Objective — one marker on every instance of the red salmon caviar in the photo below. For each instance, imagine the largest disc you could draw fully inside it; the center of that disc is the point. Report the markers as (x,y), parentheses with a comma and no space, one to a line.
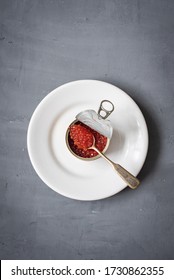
(80,138)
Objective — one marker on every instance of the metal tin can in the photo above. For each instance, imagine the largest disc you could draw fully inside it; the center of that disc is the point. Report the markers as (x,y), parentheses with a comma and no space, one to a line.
(97,121)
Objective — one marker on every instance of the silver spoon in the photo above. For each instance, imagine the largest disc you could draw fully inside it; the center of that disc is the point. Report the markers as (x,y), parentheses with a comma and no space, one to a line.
(130,180)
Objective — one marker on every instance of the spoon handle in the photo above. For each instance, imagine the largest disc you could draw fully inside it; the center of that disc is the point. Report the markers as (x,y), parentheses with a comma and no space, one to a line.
(131,180)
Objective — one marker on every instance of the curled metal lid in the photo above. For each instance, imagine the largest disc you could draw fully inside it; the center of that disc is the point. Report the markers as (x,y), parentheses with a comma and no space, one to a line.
(97,121)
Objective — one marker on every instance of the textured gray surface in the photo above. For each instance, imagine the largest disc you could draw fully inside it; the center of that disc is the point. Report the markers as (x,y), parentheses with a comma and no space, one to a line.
(44,44)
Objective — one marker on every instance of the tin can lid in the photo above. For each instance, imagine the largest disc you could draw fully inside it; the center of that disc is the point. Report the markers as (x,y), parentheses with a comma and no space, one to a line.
(97,121)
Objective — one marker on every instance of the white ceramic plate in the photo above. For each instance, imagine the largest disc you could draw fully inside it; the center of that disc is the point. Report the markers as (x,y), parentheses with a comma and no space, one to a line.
(68,175)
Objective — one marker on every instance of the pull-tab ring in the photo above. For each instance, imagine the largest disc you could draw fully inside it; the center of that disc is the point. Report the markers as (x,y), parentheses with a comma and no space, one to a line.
(105,109)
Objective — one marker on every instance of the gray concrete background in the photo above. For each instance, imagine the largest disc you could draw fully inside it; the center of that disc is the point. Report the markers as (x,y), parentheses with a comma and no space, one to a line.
(44,44)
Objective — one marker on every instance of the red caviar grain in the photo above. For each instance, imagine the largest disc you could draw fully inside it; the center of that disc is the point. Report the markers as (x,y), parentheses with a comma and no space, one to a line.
(81,138)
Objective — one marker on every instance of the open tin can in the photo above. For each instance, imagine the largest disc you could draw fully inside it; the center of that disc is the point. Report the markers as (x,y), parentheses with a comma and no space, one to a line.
(97,122)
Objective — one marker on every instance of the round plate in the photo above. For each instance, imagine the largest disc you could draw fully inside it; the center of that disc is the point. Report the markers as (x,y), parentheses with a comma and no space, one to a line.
(63,172)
